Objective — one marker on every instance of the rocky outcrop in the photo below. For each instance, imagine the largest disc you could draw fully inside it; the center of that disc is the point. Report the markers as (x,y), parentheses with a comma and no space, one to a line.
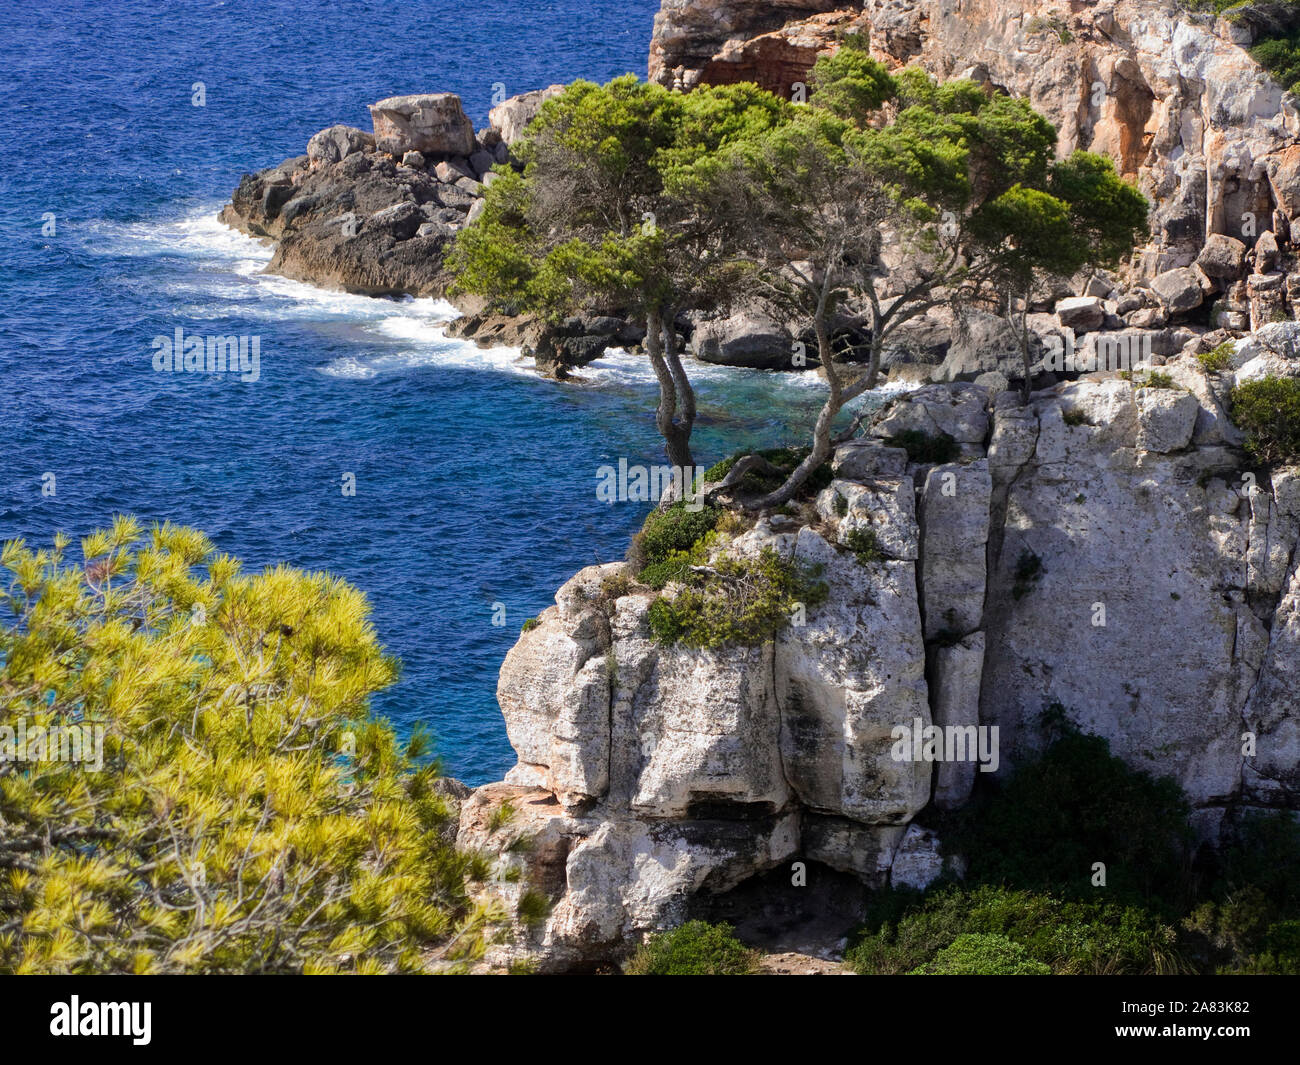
(432,124)
(375,213)
(1101,549)
(1172,96)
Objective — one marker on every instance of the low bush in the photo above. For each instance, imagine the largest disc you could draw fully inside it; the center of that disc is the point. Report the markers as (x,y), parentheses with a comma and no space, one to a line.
(1267,410)
(1075,805)
(665,532)
(740,602)
(982,954)
(909,933)
(1217,359)
(697,948)
(865,545)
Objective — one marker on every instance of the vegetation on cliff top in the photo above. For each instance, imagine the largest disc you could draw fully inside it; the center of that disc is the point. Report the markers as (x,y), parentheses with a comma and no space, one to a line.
(1267,410)
(1277,33)
(696,948)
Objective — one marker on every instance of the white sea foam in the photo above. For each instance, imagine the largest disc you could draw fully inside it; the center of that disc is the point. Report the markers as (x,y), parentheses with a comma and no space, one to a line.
(393,336)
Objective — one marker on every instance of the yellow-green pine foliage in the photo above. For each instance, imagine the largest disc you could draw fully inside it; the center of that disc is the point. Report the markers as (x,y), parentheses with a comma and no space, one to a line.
(249,815)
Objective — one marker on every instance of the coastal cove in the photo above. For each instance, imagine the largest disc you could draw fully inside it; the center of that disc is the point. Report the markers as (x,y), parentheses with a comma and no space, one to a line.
(475,480)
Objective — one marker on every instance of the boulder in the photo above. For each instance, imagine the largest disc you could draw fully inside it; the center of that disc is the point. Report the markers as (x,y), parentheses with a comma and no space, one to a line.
(984,343)
(746,338)
(1267,295)
(958,410)
(450,171)
(336,143)
(1179,290)
(1266,253)
(1081,313)
(918,862)
(511,118)
(433,124)
(1223,258)
(1271,350)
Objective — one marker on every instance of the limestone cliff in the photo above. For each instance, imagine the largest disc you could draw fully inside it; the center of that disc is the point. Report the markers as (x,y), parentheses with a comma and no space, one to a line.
(1102,549)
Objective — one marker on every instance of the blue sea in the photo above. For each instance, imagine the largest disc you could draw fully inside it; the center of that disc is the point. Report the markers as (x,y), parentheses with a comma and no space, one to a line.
(475,480)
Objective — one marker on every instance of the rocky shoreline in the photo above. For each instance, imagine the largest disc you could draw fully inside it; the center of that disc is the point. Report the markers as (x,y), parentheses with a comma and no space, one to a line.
(1174,99)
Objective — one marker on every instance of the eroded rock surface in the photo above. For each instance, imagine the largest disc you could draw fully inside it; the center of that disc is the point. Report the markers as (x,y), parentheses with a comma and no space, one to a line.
(1086,550)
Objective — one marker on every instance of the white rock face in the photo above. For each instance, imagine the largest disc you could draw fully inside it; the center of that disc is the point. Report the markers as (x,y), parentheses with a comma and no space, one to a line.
(956,673)
(845,679)
(1166,418)
(1102,551)
(955,517)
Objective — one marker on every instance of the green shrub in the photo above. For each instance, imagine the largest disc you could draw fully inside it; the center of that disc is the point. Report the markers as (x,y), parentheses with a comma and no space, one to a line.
(933,448)
(1275,49)
(612,589)
(250,815)
(865,545)
(677,566)
(1280,56)
(533,907)
(1159,379)
(744,602)
(906,932)
(1075,805)
(1075,416)
(1268,412)
(529,624)
(1217,359)
(665,532)
(697,948)
(1262,850)
(976,954)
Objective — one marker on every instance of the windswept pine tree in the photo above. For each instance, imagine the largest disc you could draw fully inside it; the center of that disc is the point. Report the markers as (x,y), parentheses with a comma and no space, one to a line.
(603,216)
(961,182)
